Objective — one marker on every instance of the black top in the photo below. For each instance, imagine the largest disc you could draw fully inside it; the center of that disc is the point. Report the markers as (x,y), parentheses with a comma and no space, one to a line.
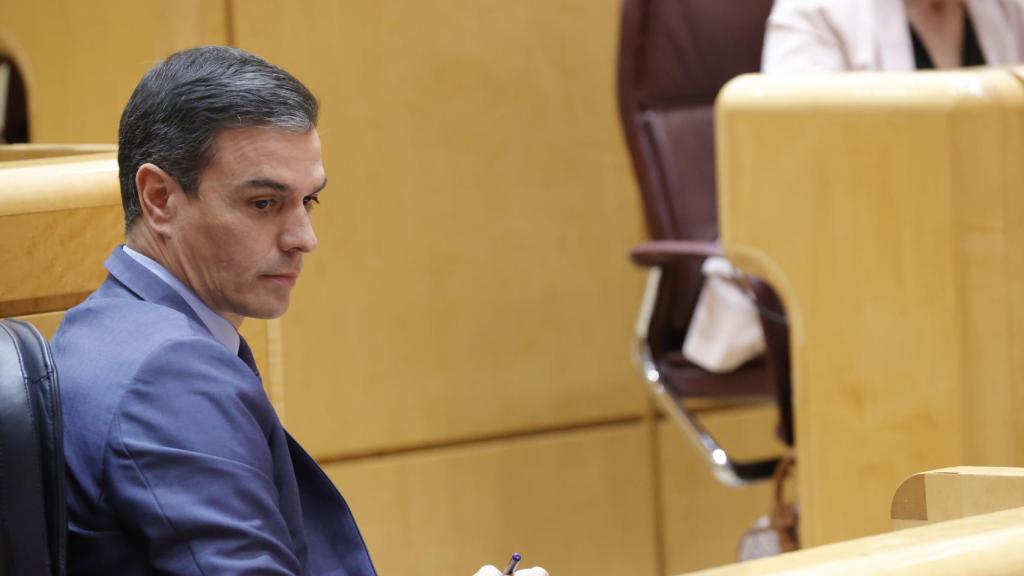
(970,53)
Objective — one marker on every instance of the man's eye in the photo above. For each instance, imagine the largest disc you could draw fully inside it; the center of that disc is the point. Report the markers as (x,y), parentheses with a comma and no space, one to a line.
(310,200)
(262,204)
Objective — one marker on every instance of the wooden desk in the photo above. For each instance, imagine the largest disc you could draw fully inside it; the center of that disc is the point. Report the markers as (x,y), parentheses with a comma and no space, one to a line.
(958,492)
(989,544)
(888,212)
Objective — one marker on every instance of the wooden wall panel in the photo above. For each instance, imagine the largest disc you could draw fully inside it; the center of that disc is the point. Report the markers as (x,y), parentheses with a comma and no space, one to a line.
(575,502)
(81,60)
(471,278)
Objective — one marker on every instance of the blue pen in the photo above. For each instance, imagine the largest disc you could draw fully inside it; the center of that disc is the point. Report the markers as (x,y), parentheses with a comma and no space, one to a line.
(512,564)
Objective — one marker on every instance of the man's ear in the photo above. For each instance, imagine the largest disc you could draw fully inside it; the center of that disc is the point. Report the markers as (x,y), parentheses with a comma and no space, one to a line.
(159,197)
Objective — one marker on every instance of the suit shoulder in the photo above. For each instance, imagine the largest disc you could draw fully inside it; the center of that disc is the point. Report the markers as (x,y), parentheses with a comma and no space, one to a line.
(111,325)
(103,344)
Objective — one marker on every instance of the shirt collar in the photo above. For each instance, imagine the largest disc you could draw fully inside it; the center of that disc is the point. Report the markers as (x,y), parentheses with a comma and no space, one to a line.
(221,329)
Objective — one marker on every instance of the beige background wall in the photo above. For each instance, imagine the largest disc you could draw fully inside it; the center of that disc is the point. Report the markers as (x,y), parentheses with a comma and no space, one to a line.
(81,60)
(456,354)
(478,190)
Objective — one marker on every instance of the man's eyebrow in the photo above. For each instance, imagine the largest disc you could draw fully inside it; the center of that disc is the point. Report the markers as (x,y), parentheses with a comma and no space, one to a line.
(266,183)
(276,186)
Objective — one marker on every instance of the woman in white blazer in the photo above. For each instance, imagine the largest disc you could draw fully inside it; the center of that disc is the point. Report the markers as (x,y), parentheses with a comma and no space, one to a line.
(810,36)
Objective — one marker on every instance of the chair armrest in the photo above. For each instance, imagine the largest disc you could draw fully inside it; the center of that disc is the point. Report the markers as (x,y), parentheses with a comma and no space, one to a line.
(660,252)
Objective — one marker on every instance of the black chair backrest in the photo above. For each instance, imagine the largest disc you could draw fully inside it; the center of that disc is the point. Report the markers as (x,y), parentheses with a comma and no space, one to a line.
(33,517)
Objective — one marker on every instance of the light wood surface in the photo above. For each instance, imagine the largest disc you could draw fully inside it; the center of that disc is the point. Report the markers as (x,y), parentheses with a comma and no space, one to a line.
(885,210)
(18,152)
(31,186)
(578,502)
(958,492)
(59,219)
(990,544)
(471,279)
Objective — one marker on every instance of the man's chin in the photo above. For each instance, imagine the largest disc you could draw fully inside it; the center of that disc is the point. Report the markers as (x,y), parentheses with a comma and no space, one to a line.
(266,312)
(270,315)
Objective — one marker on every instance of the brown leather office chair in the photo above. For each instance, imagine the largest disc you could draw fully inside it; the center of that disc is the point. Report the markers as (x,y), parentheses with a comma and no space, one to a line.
(33,518)
(675,55)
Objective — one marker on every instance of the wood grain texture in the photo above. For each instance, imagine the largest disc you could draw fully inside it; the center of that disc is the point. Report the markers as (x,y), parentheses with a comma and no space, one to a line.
(884,209)
(958,492)
(57,253)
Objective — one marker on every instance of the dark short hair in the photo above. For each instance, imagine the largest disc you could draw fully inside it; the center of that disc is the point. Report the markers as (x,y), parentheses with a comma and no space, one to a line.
(182,103)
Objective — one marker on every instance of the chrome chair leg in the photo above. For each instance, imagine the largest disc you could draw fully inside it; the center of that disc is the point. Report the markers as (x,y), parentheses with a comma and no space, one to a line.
(726,469)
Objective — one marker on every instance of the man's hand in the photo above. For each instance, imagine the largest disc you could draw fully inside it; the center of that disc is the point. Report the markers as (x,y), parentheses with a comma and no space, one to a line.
(492,571)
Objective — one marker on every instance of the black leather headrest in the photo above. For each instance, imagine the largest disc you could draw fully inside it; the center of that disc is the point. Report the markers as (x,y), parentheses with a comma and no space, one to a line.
(33,517)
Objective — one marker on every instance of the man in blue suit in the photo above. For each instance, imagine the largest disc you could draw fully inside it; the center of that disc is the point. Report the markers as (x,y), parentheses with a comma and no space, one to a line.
(177,464)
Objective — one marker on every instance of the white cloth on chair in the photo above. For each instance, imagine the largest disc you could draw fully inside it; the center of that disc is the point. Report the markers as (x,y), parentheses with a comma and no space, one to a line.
(725,330)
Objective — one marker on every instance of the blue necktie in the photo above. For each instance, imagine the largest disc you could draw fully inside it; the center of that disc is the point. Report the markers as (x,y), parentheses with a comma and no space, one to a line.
(245,353)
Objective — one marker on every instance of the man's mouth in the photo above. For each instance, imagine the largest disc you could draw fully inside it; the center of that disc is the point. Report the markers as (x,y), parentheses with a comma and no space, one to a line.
(284,278)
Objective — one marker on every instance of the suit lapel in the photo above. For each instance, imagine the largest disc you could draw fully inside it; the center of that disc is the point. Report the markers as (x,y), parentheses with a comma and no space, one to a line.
(331,530)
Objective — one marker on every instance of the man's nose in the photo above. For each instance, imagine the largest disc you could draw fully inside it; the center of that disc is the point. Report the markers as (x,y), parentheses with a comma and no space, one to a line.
(298,234)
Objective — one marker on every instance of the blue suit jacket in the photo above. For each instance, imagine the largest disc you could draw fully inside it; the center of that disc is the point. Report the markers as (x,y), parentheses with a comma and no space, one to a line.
(177,463)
